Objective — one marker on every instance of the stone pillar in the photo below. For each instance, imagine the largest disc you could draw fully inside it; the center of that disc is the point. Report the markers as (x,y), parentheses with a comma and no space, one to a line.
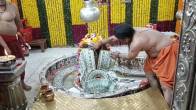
(12,96)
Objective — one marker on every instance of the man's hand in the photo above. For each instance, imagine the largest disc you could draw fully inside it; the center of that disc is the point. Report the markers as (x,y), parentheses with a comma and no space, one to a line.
(111,39)
(97,45)
(19,34)
(4,45)
(115,55)
(8,50)
(144,83)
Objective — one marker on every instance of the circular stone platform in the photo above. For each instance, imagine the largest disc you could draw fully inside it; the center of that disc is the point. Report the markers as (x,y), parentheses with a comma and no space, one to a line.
(61,73)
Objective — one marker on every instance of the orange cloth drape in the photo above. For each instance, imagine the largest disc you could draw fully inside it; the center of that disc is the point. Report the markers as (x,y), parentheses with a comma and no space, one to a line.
(164,65)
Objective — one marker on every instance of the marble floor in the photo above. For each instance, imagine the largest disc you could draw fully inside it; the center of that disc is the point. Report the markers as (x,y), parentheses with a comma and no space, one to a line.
(37,60)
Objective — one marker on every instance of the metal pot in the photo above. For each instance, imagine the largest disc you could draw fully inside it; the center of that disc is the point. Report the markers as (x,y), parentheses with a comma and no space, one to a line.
(43,89)
(90,12)
(49,95)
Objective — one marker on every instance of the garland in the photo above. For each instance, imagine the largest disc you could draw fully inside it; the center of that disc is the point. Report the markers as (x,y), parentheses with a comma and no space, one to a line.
(166,10)
(56,22)
(101,26)
(60,22)
(68,22)
(75,11)
(109,18)
(154,11)
(117,11)
(30,12)
(43,20)
(129,13)
(141,12)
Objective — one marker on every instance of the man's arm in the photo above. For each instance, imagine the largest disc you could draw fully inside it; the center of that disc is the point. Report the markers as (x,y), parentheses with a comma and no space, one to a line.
(106,41)
(131,55)
(2,42)
(17,19)
(133,52)
(4,45)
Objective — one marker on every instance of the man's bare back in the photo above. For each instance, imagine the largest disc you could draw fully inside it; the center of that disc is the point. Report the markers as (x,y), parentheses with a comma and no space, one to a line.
(8,19)
(150,41)
(154,43)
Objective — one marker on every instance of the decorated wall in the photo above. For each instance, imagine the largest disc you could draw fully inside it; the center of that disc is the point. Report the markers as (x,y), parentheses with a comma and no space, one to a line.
(59,20)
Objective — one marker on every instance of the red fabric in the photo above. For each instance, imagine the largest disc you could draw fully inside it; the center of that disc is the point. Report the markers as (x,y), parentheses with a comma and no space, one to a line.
(36,33)
(14,45)
(27,34)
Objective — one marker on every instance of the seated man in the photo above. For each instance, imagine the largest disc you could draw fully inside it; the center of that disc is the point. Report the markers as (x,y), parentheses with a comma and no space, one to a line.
(162,51)
(9,28)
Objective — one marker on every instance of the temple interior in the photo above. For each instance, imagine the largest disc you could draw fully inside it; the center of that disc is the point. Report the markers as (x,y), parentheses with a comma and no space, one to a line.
(81,54)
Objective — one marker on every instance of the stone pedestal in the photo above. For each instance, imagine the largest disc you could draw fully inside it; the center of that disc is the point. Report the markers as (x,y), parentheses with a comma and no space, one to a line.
(12,96)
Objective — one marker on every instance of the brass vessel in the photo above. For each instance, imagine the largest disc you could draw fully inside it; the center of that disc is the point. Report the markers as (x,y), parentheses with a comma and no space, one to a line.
(49,95)
(43,89)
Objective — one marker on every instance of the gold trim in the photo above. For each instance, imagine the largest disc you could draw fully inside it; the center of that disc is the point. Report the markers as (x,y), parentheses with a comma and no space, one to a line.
(148,99)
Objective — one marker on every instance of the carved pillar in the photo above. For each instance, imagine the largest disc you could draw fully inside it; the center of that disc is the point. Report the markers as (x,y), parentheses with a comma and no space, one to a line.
(12,96)
(184,93)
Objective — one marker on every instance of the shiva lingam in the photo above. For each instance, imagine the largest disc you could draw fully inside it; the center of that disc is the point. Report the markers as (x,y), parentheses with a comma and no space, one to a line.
(97,70)
(99,78)
(94,74)
(88,42)
(96,77)
(12,96)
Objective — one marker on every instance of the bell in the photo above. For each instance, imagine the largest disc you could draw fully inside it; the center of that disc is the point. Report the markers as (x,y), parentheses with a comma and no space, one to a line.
(90,12)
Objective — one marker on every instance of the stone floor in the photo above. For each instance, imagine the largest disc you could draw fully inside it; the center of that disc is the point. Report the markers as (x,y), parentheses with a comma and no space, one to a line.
(35,63)
(37,60)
